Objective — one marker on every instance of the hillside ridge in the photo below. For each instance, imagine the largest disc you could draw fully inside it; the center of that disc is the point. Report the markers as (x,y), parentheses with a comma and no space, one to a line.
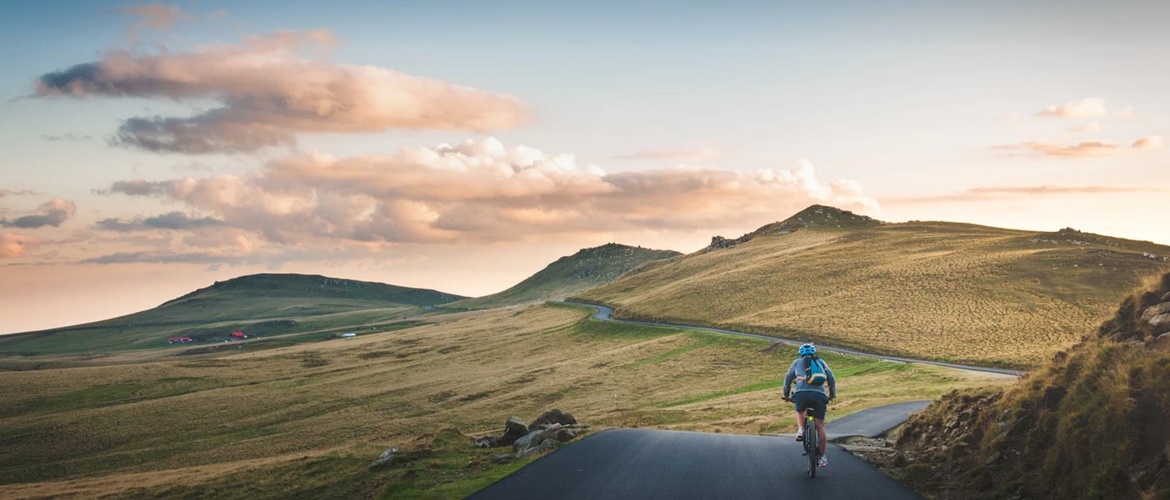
(292,284)
(950,292)
(585,269)
(813,217)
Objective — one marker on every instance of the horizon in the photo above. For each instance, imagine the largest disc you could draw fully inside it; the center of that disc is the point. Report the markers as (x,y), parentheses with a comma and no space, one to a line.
(151,149)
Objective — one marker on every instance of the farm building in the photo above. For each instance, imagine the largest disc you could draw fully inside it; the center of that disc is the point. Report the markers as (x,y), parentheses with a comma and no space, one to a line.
(239,335)
(179,340)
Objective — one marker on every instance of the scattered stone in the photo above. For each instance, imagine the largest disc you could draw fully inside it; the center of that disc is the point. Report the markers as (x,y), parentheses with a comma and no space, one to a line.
(486,442)
(514,429)
(384,460)
(543,447)
(554,416)
(1157,311)
(503,458)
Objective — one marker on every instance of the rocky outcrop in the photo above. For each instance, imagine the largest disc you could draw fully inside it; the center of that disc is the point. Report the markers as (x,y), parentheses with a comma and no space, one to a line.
(1055,434)
(551,427)
(384,460)
(514,429)
(554,416)
(719,242)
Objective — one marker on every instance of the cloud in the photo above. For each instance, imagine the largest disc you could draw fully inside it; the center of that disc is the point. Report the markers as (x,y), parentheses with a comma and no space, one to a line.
(269,91)
(162,257)
(676,154)
(157,16)
(52,213)
(1092,107)
(16,245)
(1083,149)
(481,192)
(136,187)
(70,137)
(999,193)
(1087,129)
(172,220)
(13,192)
(1148,142)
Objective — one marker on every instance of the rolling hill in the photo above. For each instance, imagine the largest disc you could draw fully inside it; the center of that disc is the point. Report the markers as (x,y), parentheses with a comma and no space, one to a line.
(1092,423)
(588,268)
(938,290)
(261,304)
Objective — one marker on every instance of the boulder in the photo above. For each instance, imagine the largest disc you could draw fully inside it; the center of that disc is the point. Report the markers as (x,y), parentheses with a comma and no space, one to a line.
(514,429)
(384,460)
(554,416)
(535,437)
(544,446)
(565,435)
(1157,311)
(486,442)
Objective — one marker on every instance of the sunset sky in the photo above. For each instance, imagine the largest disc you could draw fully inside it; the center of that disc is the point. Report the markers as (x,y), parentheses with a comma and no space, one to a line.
(147,150)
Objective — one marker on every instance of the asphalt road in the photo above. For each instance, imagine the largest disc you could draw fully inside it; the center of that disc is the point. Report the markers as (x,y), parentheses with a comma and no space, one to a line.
(605,314)
(622,464)
(872,422)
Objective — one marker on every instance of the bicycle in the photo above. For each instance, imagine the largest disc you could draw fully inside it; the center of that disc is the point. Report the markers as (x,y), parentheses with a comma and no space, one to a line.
(811,442)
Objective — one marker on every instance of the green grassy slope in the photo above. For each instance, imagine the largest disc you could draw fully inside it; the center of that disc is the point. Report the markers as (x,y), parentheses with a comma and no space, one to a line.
(588,268)
(304,420)
(262,304)
(1092,423)
(938,290)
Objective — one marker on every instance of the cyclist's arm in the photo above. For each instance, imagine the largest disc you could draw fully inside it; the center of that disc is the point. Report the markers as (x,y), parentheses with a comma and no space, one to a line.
(832,382)
(788,378)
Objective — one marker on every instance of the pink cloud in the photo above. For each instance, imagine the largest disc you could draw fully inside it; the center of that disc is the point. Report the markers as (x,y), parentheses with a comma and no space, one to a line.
(270,91)
(157,16)
(1082,108)
(16,245)
(1087,129)
(51,213)
(483,192)
(1083,149)
(1148,142)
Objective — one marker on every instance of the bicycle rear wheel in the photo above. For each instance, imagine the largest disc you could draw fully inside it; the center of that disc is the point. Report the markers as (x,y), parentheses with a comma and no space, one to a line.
(811,446)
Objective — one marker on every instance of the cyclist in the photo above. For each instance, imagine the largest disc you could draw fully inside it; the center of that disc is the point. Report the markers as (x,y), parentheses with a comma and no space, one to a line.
(808,397)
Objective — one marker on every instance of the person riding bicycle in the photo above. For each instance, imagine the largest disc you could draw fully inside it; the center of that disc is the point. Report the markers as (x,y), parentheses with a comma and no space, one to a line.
(810,397)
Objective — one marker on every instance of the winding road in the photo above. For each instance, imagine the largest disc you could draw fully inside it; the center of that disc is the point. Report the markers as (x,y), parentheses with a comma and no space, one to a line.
(606,314)
(623,464)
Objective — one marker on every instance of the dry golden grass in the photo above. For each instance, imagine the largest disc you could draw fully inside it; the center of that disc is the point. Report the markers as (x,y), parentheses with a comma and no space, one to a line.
(942,291)
(181,422)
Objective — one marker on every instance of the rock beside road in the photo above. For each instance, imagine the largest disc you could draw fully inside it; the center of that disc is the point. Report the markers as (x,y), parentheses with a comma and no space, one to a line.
(551,427)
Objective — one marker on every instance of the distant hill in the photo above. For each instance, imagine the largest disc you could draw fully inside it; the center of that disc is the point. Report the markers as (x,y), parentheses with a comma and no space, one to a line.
(939,290)
(588,268)
(261,304)
(1091,423)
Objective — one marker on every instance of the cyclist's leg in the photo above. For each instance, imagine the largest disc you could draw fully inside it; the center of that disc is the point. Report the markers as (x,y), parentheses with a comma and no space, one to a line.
(821,435)
(799,400)
(818,403)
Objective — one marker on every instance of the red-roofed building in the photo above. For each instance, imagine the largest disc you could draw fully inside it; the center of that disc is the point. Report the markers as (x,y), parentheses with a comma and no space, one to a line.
(238,335)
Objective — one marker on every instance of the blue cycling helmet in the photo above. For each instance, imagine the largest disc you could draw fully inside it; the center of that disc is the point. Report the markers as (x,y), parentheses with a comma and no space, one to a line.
(807,350)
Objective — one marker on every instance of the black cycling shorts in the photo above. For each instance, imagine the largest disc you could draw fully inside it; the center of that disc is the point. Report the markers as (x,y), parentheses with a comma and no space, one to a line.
(814,401)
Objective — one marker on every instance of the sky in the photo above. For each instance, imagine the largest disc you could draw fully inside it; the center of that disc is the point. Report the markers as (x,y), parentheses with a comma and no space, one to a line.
(149,149)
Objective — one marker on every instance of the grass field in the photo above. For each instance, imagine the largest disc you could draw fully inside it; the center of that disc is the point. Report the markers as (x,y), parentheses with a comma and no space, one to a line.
(302,420)
(945,291)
